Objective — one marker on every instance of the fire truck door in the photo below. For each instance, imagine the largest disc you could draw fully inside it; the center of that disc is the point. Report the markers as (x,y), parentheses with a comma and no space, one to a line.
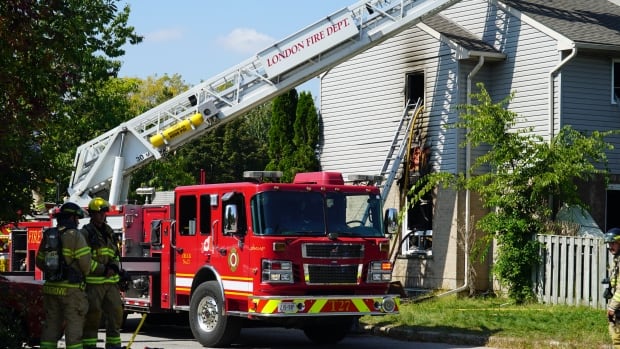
(231,256)
(191,232)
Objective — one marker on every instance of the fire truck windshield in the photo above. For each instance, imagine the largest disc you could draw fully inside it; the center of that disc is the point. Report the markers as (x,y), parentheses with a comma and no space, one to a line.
(315,213)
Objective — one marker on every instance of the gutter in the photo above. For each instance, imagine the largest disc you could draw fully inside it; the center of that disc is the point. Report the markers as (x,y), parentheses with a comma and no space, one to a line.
(552,75)
(466,281)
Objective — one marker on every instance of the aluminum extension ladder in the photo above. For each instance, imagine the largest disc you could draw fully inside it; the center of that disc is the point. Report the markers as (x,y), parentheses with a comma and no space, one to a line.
(398,148)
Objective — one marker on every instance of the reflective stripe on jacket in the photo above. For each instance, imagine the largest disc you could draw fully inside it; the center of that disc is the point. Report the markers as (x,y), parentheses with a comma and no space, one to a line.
(104,250)
(76,253)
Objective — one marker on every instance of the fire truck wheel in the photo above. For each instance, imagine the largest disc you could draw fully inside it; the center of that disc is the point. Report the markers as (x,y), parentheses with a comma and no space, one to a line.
(330,332)
(210,327)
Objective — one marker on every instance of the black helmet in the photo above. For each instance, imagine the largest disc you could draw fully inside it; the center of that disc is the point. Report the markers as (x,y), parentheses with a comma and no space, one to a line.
(612,235)
(70,209)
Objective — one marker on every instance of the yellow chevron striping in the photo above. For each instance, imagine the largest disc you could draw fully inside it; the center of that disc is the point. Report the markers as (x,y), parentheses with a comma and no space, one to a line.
(360,305)
(317,306)
(270,307)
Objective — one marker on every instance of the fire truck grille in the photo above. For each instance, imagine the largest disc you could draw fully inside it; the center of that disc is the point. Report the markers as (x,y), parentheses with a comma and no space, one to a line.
(333,251)
(331,274)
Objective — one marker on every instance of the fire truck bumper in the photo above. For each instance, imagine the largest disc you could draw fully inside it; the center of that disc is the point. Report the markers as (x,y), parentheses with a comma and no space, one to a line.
(320,306)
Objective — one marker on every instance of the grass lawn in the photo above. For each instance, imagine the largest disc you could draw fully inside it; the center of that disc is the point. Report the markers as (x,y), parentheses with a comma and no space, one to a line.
(516,326)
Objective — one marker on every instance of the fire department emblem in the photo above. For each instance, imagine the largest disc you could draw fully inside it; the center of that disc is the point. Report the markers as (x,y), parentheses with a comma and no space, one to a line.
(233,259)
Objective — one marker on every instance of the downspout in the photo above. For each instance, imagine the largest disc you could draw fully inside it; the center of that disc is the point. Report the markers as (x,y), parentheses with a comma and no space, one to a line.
(552,74)
(465,286)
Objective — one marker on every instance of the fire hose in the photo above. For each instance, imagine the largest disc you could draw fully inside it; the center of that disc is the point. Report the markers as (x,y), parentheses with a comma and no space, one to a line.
(135,333)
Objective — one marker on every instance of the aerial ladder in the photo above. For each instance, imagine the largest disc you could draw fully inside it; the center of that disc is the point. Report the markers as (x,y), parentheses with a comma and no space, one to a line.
(103,165)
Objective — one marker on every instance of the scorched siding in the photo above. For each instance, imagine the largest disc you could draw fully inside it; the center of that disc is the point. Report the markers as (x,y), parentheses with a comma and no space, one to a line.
(362,101)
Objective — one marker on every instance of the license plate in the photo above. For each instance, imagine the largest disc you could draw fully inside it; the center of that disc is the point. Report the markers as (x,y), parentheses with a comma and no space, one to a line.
(287,307)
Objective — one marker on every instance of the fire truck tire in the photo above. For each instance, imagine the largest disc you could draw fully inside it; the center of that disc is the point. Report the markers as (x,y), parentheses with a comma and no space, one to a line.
(330,332)
(206,319)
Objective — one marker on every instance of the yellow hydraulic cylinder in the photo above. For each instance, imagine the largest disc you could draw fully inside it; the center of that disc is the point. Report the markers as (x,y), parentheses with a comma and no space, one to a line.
(175,130)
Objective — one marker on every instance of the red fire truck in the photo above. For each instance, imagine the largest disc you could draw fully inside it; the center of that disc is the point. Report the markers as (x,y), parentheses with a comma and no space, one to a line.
(20,242)
(310,254)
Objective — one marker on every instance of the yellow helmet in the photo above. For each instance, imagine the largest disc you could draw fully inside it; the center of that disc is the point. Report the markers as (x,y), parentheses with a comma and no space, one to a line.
(98,205)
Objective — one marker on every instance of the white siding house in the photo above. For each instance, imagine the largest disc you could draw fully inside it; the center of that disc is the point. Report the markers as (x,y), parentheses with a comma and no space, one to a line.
(557,56)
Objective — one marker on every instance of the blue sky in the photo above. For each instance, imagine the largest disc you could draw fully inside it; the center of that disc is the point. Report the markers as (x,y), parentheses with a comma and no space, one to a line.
(200,38)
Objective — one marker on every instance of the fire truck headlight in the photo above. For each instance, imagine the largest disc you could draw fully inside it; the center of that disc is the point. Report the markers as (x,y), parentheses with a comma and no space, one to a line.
(274,271)
(380,271)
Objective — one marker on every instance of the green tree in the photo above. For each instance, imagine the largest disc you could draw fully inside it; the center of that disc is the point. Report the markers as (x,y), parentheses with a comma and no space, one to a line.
(52,53)
(521,174)
(226,151)
(293,135)
(306,135)
(101,107)
(258,124)
(154,91)
(280,134)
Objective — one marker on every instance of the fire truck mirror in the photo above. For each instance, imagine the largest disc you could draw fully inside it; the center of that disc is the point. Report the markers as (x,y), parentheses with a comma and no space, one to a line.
(391,221)
(230,219)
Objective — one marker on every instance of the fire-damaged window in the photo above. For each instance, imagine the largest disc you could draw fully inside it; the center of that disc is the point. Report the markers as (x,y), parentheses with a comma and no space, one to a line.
(187,215)
(418,237)
(414,87)
(418,221)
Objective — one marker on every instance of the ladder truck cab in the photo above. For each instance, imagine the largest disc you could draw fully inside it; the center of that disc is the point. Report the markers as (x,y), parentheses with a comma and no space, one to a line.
(311,254)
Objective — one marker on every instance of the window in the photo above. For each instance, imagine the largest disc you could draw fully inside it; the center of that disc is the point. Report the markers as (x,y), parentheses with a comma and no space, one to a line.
(418,236)
(187,215)
(414,87)
(205,214)
(615,81)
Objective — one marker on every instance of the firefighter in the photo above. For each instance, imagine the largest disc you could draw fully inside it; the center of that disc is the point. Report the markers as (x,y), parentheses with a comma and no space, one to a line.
(612,239)
(104,297)
(65,301)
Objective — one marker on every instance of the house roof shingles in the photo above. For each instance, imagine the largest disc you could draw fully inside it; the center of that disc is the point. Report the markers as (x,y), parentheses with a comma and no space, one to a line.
(593,22)
(458,35)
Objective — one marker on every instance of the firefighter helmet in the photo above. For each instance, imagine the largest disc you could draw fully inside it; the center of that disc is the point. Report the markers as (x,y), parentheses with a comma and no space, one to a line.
(70,209)
(612,235)
(98,205)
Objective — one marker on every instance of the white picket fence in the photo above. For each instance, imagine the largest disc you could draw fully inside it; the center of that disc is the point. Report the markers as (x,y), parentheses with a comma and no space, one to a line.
(572,270)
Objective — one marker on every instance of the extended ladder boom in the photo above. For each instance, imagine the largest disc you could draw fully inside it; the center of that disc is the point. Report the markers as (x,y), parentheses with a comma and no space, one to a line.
(104,164)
